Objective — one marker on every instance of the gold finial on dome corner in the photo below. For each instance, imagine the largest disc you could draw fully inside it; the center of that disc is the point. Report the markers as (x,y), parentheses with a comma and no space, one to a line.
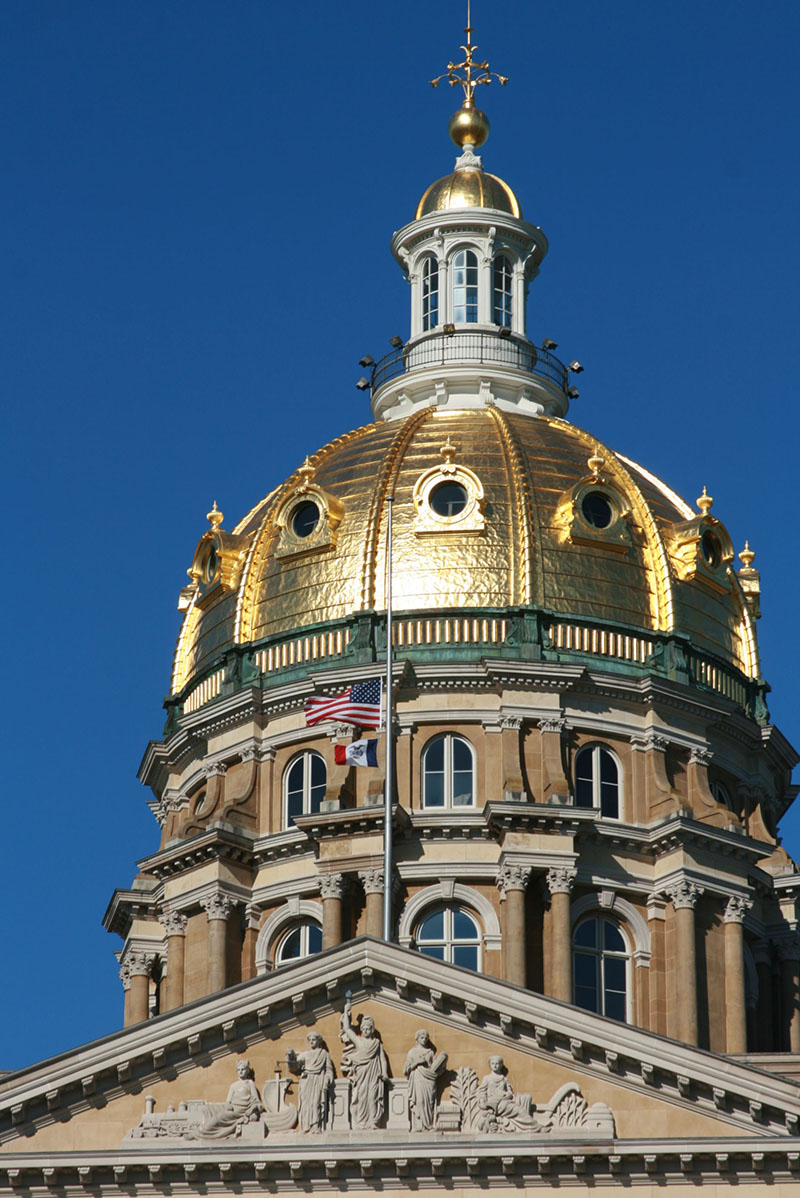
(469,126)
(705,502)
(596,462)
(215,517)
(747,556)
(306,473)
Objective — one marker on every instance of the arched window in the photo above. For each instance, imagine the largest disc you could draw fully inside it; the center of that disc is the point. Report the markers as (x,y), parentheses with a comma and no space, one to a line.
(430,294)
(597,781)
(600,968)
(302,940)
(501,291)
(465,287)
(304,786)
(448,772)
(450,934)
(720,794)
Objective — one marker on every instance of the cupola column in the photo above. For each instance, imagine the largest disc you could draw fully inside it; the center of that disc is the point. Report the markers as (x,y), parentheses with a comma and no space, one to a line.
(789,952)
(217,908)
(560,880)
(372,880)
(765,1019)
(684,895)
(735,1000)
(138,965)
(175,927)
(331,887)
(512,882)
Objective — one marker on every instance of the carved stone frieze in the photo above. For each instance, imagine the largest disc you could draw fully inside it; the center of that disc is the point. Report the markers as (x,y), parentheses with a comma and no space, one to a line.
(314,1066)
(422,1067)
(365,1066)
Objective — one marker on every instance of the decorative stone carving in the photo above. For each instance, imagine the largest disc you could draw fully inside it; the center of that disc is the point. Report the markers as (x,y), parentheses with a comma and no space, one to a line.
(560,879)
(214,769)
(512,877)
(331,886)
(139,964)
(371,880)
(736,909)
(645,741)
(218,906)
(554,725)
(500,1108)
(568,1109)
(364,1064)
(174,922)
(684,893)
(492,1107)
(239,1116)
(510,723)
(316,1072)
(422,1068)
(125,977)
(699,756)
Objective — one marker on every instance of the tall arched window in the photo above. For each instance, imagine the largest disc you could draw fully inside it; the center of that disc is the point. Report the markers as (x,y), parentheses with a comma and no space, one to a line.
(597,782)
(304,786)
(501,291)
(430,294)
(465,287)
(450,934)
(302,940)
(448,773)
(600,968)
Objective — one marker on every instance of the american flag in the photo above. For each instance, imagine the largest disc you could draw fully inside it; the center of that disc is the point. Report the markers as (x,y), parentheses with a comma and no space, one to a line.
(360,704)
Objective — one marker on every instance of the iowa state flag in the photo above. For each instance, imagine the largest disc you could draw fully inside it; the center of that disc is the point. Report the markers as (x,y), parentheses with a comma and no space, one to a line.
(360,752)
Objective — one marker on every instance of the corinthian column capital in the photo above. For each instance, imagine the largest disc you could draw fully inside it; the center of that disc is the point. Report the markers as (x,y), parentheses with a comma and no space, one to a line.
(561,878)
(331,886)
(371,880)
(736,909)
(512,877)
(174,922)
(684,893)
(139,964)
(218,906)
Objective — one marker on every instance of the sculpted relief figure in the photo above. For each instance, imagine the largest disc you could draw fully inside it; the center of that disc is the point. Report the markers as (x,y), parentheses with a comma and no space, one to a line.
(364,1063)
(422,1069)
(219,1120)
(500,1108)
(315,1068)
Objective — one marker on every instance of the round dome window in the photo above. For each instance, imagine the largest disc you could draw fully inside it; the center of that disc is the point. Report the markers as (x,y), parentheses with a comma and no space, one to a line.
(597,510)
(305,519)
(211,566)
(449,498)
(710,548)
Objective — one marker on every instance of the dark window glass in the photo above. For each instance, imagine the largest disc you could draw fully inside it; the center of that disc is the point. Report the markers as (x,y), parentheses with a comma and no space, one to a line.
(433,927)
(501,291)
(448,773)
(600,975)
(305,519)
(596,509)
(710,549)
(450,934)
(448,499)
(305,783)
(430,294)
(597,781)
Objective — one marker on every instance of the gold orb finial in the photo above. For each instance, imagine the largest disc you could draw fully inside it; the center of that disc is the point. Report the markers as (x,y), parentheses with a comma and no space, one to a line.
(596,462)
(469,126)
(306,473)
(705,502)
(215,517)
(747,556)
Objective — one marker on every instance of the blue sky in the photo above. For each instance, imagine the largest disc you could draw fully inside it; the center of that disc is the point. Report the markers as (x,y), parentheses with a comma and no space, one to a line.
(197,203)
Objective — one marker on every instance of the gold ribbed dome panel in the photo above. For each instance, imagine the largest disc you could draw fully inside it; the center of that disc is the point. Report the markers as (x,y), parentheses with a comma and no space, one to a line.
(526,466)
(468,189)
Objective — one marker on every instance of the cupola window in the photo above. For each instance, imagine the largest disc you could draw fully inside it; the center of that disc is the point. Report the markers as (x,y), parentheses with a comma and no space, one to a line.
(430,294)
(465,287)
(596,510)
(303,940)
(449,498)
(597,781)
(450,934)
(305,518)
(501,291)
(304,786)
(448,772)
(600,968)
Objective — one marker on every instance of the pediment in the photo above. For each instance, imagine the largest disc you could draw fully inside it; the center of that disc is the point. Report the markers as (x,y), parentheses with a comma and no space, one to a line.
(570,1078)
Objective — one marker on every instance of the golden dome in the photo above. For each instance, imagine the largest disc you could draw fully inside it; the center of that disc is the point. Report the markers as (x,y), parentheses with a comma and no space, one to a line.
(312,553)
(468,188)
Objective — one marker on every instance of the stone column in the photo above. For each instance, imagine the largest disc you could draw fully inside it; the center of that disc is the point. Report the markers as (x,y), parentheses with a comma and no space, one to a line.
(765,1009)
(175,926)
(139,965)
(125,978)
(372,881)
(251,927)
(331,887)
(656,918)
(789,952)
(512,882)
(560,880)
(735,1000)
(684,895)
(217,908)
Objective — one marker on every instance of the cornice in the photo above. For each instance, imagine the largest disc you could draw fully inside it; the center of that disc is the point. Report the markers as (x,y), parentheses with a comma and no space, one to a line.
(213,845)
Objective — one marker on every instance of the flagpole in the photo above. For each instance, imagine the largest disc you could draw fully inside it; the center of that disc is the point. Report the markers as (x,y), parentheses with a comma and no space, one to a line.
(387,789)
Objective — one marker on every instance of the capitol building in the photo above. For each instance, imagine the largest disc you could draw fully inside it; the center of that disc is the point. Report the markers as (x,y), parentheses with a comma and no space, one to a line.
(592,972)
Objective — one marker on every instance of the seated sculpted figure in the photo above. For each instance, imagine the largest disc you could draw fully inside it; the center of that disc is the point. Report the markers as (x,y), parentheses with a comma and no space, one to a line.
(315,1068)
(501,1109)
(219,1120)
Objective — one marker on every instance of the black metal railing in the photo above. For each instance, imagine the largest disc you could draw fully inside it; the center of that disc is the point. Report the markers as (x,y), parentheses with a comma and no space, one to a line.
(449,348)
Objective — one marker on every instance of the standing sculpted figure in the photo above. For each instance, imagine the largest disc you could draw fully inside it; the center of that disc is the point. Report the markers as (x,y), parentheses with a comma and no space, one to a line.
(501,1109)
(364,1062)
(218,1120)
(315,1068)
(422,1069)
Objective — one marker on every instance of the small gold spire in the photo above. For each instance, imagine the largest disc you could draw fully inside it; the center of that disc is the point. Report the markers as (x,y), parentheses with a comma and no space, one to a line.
(705,502)
(747,556)
(596,462)
(306,473)
(449,451)
(215,517)
(469,126)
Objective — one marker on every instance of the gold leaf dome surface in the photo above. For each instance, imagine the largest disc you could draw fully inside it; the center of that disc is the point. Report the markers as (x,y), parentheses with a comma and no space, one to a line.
(468,189)
(524,554)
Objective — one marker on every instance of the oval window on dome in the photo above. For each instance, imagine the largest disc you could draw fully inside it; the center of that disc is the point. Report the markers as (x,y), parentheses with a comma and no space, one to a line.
(710,548)
(211,566)
(597,509)
(449,498)
(305,519)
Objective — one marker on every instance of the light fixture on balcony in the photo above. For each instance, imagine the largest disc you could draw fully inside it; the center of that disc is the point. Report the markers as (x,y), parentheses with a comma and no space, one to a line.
(396,342)
(367,360)
(575,367)
(505,331)
(548,344)
(363,384)
(573,392)
(448,329)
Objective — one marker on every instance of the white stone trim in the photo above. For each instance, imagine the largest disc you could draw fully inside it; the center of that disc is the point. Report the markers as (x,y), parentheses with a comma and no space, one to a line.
(634,922)
(294,910)
(446,892)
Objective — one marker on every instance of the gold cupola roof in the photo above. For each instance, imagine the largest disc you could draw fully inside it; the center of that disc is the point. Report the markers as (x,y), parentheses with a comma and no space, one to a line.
(472,188)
